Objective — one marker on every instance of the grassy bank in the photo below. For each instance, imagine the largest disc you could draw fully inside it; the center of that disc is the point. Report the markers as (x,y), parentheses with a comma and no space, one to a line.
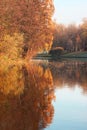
(75,55)
(43,56)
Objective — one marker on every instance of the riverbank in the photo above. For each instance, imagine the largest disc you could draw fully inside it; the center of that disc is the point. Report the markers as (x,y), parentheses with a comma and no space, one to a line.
(73,55)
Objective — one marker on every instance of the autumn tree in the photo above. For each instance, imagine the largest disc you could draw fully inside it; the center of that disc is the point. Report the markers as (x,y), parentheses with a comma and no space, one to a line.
(59,39)
(11,46)
(41,26)
(83,29)
(32,18)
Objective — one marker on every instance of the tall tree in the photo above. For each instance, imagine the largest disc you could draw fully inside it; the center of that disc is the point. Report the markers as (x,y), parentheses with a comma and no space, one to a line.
(33,18)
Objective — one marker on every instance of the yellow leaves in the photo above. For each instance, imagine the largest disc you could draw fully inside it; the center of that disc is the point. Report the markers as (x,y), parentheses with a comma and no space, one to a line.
(11,46)
(41,27)
(31,18)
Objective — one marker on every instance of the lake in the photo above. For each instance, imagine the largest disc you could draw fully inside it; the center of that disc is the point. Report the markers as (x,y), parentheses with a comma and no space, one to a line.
(48,95)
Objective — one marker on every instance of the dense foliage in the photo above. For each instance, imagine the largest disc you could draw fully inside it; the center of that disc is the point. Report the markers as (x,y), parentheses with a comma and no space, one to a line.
(30,19)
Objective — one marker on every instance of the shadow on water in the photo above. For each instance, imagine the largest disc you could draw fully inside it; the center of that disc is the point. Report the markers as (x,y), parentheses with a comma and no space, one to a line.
(27,92)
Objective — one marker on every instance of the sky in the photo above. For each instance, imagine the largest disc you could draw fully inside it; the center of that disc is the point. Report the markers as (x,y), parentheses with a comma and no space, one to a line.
(70,11)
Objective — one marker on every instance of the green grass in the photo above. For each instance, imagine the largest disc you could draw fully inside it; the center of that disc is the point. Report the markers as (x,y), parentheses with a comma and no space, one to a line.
(75,55)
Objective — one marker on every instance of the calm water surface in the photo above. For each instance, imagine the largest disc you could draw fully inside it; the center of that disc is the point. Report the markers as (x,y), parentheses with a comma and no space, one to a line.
(44,95)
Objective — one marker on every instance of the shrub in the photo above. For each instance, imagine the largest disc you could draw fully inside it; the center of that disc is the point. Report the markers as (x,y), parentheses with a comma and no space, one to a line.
(56,51)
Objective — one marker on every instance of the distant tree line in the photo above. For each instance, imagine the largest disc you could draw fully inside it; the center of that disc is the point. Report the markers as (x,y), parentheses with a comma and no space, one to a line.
(72,38)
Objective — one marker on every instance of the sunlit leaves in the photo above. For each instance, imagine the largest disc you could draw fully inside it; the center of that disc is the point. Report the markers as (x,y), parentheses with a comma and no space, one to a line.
(11,46)
(31,18)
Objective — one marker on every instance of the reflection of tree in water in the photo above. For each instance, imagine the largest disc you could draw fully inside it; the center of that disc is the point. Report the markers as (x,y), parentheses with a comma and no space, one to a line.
(32,109)
(69,73)
(12,81)
(26,93)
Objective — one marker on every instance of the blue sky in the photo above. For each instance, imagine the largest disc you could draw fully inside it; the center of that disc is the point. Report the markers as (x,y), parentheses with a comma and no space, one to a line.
(70,11)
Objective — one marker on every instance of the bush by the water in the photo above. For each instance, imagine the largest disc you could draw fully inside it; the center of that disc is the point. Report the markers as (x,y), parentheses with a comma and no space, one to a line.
(56,51)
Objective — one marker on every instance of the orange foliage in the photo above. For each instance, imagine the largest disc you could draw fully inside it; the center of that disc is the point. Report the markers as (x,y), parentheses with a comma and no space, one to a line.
(31,18)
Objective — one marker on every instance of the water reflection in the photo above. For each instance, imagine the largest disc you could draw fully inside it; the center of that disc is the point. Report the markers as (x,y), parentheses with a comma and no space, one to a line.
(26,95)
(27,92)
(69,74)
(12,81)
